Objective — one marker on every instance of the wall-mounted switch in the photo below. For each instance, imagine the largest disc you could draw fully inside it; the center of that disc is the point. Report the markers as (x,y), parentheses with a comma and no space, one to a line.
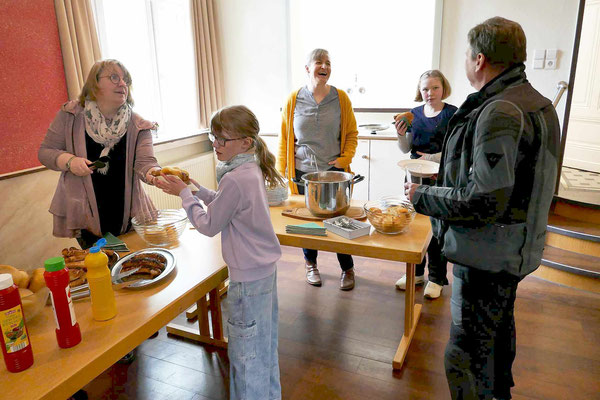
(551,57)
(538,59)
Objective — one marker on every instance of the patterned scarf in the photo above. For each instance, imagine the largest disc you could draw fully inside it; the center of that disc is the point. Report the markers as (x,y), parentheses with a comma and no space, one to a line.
(224,167)
(106,132)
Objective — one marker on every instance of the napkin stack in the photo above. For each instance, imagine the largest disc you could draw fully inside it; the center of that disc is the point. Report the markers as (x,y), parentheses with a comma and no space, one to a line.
(310,228)
(114,243)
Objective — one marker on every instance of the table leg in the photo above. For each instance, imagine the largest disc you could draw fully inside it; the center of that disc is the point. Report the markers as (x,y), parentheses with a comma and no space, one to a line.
(202,333)
(215,314)
(192,312)
(412,312)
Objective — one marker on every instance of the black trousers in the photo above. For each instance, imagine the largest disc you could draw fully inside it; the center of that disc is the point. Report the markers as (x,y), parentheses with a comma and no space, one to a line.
(482,345)
(435,260)
(310,255)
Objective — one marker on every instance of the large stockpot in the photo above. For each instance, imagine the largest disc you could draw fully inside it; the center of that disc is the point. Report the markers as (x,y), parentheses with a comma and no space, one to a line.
(328,193)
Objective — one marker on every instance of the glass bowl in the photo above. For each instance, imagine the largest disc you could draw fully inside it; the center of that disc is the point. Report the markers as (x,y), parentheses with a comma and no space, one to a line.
(390,215)
(163,228)
(277,194)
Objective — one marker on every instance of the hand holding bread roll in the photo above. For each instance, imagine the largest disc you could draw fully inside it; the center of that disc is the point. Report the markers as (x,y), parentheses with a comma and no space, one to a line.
(181,173)
(407,117)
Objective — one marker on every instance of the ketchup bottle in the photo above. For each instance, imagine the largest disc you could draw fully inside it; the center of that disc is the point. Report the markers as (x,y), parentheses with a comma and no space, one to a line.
(14,338)
(104,306)
(56,276)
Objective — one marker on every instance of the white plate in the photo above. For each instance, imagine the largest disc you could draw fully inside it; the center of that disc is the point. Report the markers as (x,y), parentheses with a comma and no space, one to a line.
(171,261)
(420,168)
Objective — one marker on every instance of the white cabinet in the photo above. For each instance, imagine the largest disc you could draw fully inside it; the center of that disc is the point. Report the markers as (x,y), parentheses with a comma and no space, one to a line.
(360,165)
(385,176)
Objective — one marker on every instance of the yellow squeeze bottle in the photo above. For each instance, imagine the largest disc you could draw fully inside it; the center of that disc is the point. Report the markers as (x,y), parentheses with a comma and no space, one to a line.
(104,306)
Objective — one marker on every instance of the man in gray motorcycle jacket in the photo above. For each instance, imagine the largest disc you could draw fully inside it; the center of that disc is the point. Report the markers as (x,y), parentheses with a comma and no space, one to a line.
(490,205)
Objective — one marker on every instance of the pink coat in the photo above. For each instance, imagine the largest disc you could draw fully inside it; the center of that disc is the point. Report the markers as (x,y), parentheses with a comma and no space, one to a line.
(74,203)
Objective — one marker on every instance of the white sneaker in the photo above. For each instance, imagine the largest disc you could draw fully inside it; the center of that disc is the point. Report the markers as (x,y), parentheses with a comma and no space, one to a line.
(401,283)
(432,290)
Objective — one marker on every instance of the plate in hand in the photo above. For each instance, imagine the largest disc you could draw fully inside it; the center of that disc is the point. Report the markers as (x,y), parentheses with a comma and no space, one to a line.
(420,168)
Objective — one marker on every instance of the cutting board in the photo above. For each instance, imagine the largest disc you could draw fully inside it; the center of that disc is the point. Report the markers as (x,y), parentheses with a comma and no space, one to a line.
(303,213)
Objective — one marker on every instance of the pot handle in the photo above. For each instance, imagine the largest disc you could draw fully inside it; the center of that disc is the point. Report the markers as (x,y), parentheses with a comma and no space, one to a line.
(357,178)
(297,181)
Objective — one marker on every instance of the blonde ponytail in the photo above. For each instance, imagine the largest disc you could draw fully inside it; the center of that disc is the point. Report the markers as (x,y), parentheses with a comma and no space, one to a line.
(241,120)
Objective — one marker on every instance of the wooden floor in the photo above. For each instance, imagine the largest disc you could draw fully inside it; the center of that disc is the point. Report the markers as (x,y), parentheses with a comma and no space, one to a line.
(339,345)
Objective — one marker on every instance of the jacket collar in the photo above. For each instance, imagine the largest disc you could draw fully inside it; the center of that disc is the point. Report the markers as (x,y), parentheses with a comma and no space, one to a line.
(511,76)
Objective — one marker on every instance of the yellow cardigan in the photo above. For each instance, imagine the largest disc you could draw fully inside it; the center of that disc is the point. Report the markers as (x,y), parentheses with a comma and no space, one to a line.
(286,159)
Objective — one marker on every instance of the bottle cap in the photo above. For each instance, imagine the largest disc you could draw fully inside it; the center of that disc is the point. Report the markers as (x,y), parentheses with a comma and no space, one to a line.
(100,243)
(94,249)
(54,264)
(6,281)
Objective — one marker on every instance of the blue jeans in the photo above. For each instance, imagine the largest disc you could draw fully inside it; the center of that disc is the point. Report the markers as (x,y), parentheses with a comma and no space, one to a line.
(482,345)
(253,336)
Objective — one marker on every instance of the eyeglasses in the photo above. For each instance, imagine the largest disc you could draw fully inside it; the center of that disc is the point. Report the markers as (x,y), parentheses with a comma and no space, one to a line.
(221,141)
(115,78)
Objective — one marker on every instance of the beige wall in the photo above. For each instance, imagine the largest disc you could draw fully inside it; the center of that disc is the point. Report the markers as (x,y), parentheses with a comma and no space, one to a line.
(26,235)
(547,24)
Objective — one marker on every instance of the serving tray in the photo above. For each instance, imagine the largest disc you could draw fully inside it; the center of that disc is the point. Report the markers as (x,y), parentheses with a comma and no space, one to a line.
(171,261)
(304,213)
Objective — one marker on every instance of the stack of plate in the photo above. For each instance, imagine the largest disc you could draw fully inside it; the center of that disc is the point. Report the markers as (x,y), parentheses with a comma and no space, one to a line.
(278,194)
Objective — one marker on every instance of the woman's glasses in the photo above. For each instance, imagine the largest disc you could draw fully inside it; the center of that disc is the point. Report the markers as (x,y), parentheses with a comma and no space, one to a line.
(115,78)
(221,141)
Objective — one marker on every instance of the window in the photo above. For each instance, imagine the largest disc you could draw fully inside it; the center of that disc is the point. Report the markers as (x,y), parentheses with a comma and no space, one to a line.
(378,48)
(154,40)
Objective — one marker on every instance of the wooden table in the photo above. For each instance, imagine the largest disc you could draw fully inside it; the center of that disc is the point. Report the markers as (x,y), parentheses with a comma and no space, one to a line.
(58,373)
(409,247)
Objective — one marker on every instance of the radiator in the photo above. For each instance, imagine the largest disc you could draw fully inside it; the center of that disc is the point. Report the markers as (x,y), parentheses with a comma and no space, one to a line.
(201,169)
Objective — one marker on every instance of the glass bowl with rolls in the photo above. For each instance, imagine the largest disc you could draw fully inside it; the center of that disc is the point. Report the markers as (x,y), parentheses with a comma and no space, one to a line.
(162,228)
(390,214)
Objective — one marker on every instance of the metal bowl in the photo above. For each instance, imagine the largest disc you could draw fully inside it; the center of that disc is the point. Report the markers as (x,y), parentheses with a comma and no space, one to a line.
(328,194)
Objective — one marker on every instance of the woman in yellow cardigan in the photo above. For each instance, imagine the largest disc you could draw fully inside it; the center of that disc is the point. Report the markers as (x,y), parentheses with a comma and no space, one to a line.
(318,126)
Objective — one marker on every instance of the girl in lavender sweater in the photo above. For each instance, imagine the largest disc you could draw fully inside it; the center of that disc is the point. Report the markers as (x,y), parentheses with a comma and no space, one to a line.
(240,212)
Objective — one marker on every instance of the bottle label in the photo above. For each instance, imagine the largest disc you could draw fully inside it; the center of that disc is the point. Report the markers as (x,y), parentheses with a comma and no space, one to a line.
(71,310)
(54,311)
(12,324)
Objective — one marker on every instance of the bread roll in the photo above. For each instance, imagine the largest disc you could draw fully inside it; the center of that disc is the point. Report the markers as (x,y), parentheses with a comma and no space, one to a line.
(37,280)
(406,117)
(20,278)
(181,173)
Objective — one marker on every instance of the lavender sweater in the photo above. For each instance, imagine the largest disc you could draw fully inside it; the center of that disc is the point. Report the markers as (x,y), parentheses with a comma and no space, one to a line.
(239,210)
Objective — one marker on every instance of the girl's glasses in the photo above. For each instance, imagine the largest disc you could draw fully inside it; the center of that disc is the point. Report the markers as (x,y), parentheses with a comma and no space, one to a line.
(115,78)
(221,141)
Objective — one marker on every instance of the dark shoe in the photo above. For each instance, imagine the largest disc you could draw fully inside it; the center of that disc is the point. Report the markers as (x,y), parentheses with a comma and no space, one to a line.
(347,280)
(313,277)
(127,358)
(80,395)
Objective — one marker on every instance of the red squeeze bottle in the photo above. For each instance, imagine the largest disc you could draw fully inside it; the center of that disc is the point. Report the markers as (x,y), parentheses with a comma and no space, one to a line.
(56,276)
(14,337)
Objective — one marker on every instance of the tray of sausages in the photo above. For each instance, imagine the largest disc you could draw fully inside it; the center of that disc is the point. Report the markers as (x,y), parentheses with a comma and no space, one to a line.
(154,265)
(74,261)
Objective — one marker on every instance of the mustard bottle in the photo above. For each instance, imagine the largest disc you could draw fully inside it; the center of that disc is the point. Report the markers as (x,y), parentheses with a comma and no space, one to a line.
(104,306)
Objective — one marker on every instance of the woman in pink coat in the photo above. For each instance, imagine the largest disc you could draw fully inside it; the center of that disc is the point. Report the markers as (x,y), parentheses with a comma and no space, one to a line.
(93,200)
